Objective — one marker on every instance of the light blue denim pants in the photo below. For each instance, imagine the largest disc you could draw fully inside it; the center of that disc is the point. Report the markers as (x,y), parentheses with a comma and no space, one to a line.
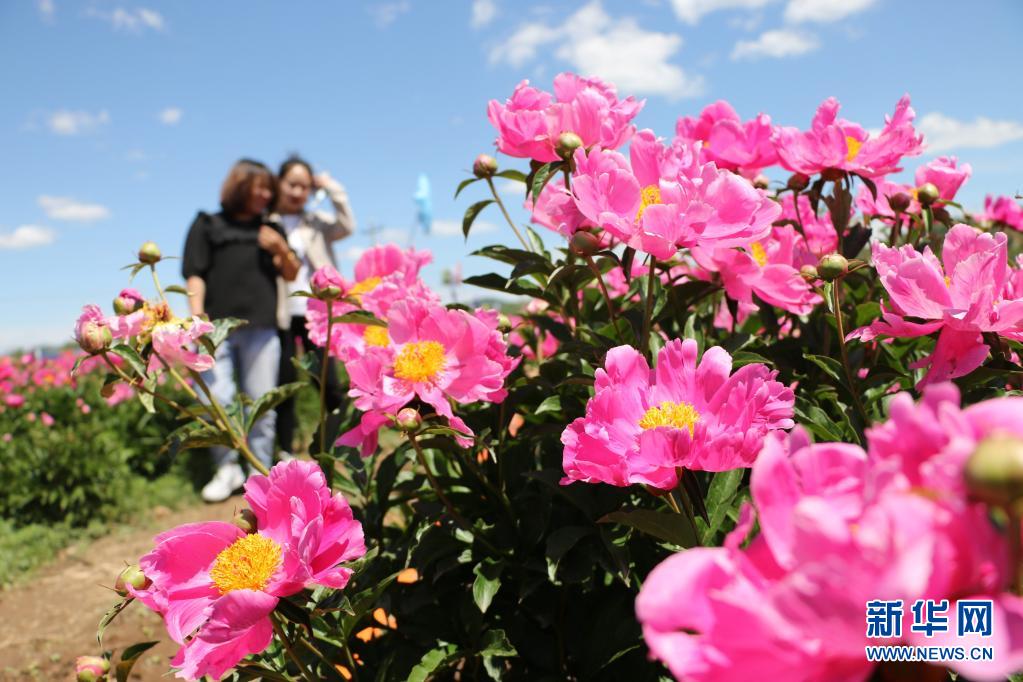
(253,354)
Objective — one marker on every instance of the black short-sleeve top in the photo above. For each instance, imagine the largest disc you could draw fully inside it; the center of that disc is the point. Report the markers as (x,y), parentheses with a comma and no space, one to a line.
(241,280)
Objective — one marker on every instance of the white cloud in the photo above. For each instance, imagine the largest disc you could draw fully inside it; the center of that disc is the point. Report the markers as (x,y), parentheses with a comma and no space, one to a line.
(385,14)
(66,208)
(507,187)
(691,11)
(483,12)
(170,116)
(352,253)
(778,43)
(26,237)
(617,50)
(46,9)
(943,132)
(453,228)
(66,122)
(824,10)
(131,20)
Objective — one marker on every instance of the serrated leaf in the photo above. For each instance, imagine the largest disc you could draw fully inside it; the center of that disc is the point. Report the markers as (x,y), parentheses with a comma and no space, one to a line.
(465,183)
(471,214)
(129,657)
(670,527)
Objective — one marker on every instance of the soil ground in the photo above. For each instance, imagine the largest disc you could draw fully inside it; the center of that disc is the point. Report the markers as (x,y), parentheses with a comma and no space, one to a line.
(49,620)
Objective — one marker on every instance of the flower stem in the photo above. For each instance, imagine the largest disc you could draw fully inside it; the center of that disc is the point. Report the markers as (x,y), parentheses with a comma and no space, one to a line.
(836,301)
(323,377)
(286,643)
(217,411)
(500,205)
(649,309)
(607,296)
(156,281)
(139,385)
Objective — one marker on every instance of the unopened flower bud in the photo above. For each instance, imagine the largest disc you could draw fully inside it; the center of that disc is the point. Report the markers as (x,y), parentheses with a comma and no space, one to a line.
(128,301)
(246,520)
(927,194)
(809,272)
(94,337)
(567,144)
(484,166)
(326,284)
(832,266)
(504,324)
(408,419)
(798,182)
(91,668)
(900,201)
(994,472)
(149,253)
(584,243)
(133,576)
(761,182)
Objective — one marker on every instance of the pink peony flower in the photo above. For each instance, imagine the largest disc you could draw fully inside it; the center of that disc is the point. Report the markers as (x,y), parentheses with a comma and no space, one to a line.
(833,142)
(839,528)
(961,296)
(327,283)
(642,425)
(14,400)
(128,301)
(46,419)
(529,124)
(215,586)
(745,148)
(92,330)
(1003,210)
(555,209)
(436,355)
(880,207)
(173,341)
(946,174)
(819,235)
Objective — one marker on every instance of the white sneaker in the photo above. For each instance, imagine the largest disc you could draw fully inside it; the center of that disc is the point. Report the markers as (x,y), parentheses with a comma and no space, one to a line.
(228,478)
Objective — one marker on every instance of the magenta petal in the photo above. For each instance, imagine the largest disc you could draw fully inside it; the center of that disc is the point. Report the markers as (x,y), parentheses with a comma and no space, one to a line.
(239,626)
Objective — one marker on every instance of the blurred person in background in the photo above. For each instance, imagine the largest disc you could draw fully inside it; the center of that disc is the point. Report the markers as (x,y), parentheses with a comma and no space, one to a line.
(231,264)
(311,235)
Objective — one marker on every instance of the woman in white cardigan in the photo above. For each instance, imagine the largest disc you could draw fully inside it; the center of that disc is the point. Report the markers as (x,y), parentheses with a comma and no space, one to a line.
(310,235)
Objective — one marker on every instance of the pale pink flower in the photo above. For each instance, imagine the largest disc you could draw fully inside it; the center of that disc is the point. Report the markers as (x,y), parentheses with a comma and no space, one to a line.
(961,296)
(833,142)
(46,419)
(819,235)
(642,425)
(1003,211)
(946,174)
(745,148)
(174,342)
(215,586)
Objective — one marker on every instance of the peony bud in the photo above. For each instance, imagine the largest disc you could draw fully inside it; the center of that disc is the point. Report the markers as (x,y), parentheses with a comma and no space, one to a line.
(133,576)
(761,182)
(567,144)
(504,324)
(91,668)
(246,520)
(798,182)
(832,266)
(809,272)
(484,166)
(327,284)
(994,472)
(128,301)
(899,201)
(408,419)
(584,243)
(927,194)
(149,253)
(94,337)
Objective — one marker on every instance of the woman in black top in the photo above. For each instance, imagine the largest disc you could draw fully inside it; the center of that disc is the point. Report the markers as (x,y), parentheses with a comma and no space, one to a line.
(231,262)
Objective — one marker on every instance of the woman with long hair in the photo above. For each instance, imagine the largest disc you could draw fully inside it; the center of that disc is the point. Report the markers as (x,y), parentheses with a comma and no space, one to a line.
(231,263)
(310,235)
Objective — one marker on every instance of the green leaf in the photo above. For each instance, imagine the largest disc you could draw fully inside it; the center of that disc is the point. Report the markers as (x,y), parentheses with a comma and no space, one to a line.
(223,327)
(831,366)
(359,317)
(471,213)
(363,602)
(465,183)
(129,657)
(542,176)
(512,174)
(131,356)
(176,289)
(270,400)
(719,499)
(551,403)
(743,357)
(432,661)
(146,396)
(109,617)
(673,528)
(495,643)
(487,583)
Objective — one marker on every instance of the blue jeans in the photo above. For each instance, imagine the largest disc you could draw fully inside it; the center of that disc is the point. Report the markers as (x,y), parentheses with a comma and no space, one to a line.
(254,354)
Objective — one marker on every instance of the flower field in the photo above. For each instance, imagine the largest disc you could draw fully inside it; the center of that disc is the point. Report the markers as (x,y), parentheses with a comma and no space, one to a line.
(755,412)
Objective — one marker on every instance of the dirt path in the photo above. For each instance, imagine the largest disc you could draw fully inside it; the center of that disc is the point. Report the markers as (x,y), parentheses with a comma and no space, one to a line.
(49,621)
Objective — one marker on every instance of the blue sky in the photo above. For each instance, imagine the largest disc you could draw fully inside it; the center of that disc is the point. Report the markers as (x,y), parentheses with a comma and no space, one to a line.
(120,119)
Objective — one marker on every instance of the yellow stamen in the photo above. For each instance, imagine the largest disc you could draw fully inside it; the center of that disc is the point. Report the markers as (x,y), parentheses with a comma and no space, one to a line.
(948,280)
(247,564)
(376,336)
(674,415)
(650,195)
(419,361)
(364,287)
(759,253)
(853,145)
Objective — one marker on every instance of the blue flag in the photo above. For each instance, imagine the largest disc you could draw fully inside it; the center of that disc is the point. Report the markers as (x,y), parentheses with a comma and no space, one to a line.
(424,206)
